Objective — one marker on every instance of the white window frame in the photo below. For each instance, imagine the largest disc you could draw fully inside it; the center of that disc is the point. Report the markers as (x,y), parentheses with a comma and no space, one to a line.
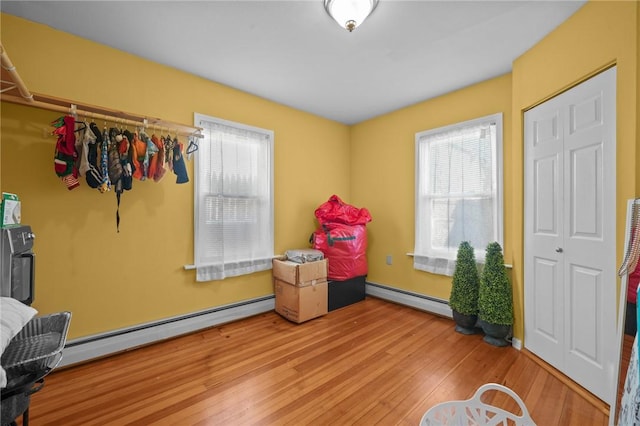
(206,271)
(427,258)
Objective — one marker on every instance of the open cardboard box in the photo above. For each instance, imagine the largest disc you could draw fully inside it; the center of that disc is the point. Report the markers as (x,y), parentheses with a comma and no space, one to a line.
(300,274)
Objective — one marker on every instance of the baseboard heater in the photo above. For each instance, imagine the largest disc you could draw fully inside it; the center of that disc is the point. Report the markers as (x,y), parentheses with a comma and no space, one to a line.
(100,345)
(414,300)
(104,344)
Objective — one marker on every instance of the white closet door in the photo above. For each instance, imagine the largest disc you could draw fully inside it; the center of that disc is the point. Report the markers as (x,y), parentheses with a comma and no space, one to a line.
(570,277)
(544,232)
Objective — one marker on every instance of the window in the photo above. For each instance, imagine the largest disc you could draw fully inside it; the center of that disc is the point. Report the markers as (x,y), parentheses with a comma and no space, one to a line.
(233,199)
(458,191)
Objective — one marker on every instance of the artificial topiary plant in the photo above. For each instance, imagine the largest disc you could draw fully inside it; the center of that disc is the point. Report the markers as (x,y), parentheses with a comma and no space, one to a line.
(495,300)
(464,290)
(466,281)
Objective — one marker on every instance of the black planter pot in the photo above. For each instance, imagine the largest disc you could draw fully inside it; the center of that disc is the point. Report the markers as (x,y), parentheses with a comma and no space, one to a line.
(495,334)
(465,324)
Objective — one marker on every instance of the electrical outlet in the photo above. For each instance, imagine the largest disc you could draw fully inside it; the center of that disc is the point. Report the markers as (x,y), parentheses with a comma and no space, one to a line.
(389,259)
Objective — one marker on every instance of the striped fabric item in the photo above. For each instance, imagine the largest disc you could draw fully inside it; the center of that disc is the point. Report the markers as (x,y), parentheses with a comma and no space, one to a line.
(104,162)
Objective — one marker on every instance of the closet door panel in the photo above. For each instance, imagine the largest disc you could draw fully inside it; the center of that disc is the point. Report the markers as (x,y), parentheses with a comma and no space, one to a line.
(547,324)
(586,336)
(586,177)
(544,326)
(584,313)
(546,196)
(585,113)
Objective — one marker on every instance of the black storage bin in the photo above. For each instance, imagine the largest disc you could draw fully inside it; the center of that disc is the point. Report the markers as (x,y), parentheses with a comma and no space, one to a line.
(345,293)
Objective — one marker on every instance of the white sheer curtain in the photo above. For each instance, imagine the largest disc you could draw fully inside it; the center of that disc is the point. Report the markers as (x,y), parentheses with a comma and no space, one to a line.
(233,199)
(457,192)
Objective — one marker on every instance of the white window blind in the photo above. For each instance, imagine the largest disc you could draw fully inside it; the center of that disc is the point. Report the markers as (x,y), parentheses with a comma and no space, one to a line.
(458,192)
(233,199)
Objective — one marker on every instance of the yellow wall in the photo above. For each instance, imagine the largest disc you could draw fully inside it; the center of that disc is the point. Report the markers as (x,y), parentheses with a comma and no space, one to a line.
(383,175)
(382,178)
(112,280)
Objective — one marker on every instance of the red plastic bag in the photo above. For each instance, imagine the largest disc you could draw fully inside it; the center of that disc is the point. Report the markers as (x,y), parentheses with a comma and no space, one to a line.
(345,246)
(336,211)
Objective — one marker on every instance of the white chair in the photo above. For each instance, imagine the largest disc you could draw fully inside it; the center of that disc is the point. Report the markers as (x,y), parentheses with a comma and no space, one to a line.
(475,412)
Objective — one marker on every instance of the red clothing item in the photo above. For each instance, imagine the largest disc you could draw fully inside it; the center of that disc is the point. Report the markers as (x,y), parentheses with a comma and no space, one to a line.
(139,152)
(66,143)
(632,285)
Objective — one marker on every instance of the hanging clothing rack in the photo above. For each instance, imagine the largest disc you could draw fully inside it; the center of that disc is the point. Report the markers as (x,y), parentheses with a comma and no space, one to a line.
(14,90)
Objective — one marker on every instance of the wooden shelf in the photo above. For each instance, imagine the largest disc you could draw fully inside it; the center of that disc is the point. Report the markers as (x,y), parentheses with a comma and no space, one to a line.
(14,90)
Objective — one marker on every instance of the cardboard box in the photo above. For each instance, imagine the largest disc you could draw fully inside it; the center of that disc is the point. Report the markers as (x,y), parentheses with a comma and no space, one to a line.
(300,304)
(300,274)
(10,209)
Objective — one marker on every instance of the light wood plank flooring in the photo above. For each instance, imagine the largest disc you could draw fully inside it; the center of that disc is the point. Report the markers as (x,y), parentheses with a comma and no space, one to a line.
(373,362)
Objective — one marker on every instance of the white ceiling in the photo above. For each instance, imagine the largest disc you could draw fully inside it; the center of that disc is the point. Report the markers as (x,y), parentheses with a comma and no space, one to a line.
(291,52)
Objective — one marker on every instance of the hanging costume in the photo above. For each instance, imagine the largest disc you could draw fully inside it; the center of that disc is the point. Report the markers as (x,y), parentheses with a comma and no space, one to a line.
(65,153)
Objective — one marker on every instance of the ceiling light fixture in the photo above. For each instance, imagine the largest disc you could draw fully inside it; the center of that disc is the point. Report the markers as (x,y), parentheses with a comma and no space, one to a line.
(350,14)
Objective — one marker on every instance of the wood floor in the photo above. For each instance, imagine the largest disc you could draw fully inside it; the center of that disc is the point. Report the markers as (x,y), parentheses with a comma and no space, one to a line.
(373,362)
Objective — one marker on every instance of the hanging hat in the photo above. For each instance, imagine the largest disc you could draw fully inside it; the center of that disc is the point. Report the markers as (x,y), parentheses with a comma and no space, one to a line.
(158,159)
(96,131)
(127,176)
(179,168)
(115,166)
(169,144)
(123,150)
(83,142)
(61,166)
(136,154)
(64,162)
(127,134)
(104,163)
(152,155)
(131,155)
(67,137)
(93,177)
(71,182)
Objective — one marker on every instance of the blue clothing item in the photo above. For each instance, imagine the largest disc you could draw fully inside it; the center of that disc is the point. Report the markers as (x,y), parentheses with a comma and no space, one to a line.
(152,150)
(179,167)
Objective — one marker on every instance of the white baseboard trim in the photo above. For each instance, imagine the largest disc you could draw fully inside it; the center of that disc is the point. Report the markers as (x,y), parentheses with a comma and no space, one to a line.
(425,303)
(414,300)
(88,348)
(516,343)
(100,345)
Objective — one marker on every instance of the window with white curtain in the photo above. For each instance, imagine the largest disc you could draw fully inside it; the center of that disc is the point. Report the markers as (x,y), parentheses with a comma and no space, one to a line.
(458,192)
(233,199)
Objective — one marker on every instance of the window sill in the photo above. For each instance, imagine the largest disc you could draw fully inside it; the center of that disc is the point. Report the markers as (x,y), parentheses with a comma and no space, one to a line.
(193,267)
(506,265)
